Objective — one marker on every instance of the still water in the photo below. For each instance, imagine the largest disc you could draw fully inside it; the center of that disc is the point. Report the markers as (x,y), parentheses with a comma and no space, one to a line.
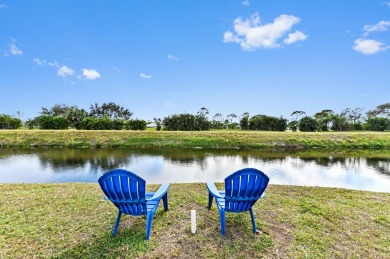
(363,170)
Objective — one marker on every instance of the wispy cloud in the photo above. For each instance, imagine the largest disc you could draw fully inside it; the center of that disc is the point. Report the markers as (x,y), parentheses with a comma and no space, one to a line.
(13,49)
(42,63)
(145,76)
(2,6)
(39,62)
(380,26)
(245,3)
(250,34)
(295,37)
(65,71)
(369,47)
(388,4)
(90,74)
(171,57)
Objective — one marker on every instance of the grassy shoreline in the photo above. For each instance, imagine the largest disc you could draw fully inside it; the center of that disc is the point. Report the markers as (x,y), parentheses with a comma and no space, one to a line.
(200,139)
(72,220)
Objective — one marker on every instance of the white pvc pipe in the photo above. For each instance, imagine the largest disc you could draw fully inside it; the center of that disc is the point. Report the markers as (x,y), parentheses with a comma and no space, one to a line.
(193,221)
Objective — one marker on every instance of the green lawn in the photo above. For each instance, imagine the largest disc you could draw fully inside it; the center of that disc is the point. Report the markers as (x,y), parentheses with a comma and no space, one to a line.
(192,139)
(73,220)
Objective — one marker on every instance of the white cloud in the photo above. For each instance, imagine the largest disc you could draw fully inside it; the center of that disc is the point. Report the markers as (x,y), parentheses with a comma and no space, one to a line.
(388,4)
(380,26)
(90,74)
(246,3)
(39,62)
(251,34)
(13,49)
(53,64)
(2,6)
(368,47)
(65,71)
(42,63)
(144,76)
(171,57)
(294,37)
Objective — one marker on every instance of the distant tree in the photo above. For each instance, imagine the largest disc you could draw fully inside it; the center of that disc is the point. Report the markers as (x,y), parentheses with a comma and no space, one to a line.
(352,115)
(324,119)
(377,124)
(297,114)
(8,122)
(75,115)
(231,124)
(203,112)
(294,124)
(56,110)
(244,121)
(264,122)
(217,121)
(382,109)
(339,123)
(158,123)
(109,110)
(308,123)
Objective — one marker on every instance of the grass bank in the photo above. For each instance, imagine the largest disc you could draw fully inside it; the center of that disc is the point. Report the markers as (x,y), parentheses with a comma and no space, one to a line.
(73,220)
(200,139)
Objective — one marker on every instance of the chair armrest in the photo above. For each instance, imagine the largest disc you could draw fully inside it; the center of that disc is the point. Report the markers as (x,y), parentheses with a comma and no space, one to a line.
(213,190)
(160,192)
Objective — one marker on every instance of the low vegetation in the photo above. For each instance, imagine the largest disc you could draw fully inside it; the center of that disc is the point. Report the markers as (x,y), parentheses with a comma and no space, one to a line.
(111,116)
(194,139)
(74,221)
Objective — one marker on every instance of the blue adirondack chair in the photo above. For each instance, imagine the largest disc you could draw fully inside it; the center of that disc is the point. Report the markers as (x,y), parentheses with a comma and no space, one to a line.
(128,193)
(242,189)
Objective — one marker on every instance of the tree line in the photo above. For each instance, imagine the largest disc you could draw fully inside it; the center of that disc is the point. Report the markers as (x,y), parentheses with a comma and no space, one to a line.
(111,116)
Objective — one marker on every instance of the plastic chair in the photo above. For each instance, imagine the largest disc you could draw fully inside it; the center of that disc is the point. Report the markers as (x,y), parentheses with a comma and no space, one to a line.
(242,189)
(127,191)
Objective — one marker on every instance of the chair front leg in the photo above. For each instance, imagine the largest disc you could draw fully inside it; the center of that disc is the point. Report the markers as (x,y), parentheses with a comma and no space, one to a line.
(117,223)
(222,221)
(149,223)
(253,221)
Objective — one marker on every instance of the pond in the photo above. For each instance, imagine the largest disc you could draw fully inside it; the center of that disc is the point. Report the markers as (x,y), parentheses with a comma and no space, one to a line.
(362,170)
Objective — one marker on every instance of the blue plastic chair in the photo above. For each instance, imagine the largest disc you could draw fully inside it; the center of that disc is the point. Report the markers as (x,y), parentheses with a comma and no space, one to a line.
(128,193)
(242,189)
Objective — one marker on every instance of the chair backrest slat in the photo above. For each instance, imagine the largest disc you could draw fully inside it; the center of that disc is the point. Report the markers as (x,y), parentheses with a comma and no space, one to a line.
(243,188)
(126,190)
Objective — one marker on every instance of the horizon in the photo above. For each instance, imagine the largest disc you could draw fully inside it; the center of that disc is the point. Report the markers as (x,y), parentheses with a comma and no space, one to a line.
(159,58)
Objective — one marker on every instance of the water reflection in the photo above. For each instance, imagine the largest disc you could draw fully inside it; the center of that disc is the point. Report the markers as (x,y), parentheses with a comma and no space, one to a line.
(365,170)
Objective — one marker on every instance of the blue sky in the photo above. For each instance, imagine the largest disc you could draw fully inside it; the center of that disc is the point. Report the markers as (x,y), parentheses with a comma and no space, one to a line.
(163,57)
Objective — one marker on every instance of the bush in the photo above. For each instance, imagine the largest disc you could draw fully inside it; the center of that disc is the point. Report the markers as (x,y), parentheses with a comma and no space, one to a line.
(357,126)
(186,122)
(8,122)
(136,125)
(244,123)
(293,126)
(91,123)
(340,123)
(377,124)
(52,122)
(264,122)
(308,123)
